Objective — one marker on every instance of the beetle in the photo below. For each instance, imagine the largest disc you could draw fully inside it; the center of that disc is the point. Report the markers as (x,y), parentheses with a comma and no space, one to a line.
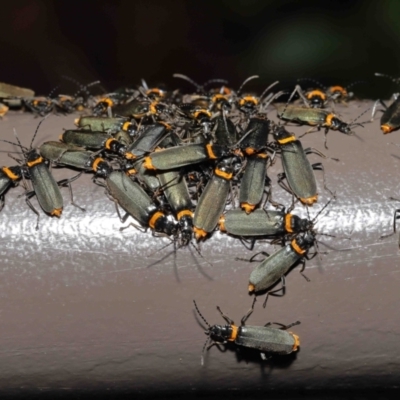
(12,96)
(252,184)
(8,176)
(72,156)
(153,93)
(212,201)
(318,98)
(137,203)
(175,189)
(44,185)
(86,139)
(262,338)
(314,117)
(105,124)
(213,100)
(249,104)
(390,119)
(274,267)
(181,156)
(106,104)
(297,169)
(262,223)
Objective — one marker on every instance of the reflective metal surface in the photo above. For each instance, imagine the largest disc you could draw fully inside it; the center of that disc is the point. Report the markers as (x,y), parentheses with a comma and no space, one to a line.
(84,305)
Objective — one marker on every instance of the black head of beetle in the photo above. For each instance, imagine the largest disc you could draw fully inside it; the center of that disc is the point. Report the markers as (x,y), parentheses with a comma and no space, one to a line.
(306,241)
(301,224)
(337,125)
(219,333)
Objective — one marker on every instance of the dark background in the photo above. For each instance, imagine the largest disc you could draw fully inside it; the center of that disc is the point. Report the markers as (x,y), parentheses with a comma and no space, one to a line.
(120,42)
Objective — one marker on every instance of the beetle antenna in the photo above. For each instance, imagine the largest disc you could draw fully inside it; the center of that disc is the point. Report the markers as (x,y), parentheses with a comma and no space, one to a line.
(144,84)
(52,91)
(199,253)
(36,131)
(205,347)
(15,144)
(186,78)
(268,88)
(144,94)
(210,81)
(246,80)
(312,80)
(82,88)
(323,208)
(355,83)
(354,120)
(395,80)
(197,309)
(274,97)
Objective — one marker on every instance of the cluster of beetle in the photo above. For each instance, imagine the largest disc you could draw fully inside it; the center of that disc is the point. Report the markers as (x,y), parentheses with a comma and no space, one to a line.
(172,161)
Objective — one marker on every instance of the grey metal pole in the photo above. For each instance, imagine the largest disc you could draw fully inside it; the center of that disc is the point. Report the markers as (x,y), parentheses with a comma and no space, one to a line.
(86,306)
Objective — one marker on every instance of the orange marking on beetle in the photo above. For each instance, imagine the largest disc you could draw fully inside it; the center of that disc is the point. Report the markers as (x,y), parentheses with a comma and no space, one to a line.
(131,172)
(108,143)
(130,156)
(96,163)
(198,113)
(56,212)
(199,233)
(316,93)
(3,110)
(39,160)
(288,223)
(234,333)
(157,215)
(157,92)
(167,126)
(248,208)
(296,344)
(222,174)
(297,248)
(262,155)
(76,121)
(148,164)
(309,200)
(126,126)
(248,99)
(226,90)
(152,108)
(210,151)
(10,174)
(221,223)
(340,89)
(183,213)
(249,151)
(238,153)
(328,119)
(106,100)
(387,128)
(252,288)
(287,140)
(219,97)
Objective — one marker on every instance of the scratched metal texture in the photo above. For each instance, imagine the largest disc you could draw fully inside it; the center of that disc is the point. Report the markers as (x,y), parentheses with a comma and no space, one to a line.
(84,306)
